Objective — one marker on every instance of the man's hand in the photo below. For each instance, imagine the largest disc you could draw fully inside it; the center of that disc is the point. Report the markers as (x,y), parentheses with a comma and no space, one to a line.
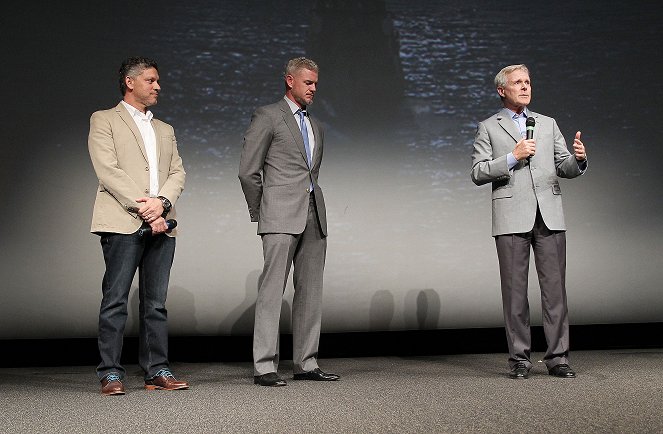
(524,148)
(151,210)
(579,148)
(159,226)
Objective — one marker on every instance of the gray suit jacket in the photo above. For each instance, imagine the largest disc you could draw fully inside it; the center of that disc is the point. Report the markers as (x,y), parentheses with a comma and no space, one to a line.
(517,192)
(274,172)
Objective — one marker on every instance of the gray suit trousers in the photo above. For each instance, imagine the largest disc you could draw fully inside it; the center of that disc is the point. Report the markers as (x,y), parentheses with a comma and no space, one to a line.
(513,251)
(306,252)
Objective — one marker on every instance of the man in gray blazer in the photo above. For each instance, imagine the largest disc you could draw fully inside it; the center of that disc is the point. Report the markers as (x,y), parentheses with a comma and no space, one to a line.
(527,211)
(278,172)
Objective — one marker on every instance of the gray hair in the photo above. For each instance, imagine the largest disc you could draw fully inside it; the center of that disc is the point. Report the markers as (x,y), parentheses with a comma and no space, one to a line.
(298,63)
(500,78)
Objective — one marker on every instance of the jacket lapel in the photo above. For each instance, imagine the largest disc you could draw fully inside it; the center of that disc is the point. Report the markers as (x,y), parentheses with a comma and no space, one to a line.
(290,121)
(505,121)
(157,136)
(537,128)
(128,120)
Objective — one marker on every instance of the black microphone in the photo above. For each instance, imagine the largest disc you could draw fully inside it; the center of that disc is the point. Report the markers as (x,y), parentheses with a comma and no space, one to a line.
(529,126)
(172,224)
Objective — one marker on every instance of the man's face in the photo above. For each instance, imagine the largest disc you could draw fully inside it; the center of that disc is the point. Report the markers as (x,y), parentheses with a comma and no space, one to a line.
(518,90)
(144,88)
(302,85)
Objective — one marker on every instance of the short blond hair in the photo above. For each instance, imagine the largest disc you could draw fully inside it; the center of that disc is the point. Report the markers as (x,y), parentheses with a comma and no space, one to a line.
(298,63)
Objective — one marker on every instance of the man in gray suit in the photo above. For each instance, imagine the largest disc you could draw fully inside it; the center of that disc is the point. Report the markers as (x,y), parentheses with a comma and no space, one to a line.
(278,172)
(527,211)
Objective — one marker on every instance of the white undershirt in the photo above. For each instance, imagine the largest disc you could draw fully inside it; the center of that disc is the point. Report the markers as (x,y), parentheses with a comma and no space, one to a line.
(144,123)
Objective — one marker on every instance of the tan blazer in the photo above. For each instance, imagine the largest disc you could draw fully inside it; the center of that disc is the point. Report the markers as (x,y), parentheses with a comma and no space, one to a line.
(120,162)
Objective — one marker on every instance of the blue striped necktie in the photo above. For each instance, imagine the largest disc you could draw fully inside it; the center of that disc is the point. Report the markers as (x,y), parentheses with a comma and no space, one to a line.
(302,125)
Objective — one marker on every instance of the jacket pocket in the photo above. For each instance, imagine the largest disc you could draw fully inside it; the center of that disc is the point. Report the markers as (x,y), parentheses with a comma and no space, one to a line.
(502,193)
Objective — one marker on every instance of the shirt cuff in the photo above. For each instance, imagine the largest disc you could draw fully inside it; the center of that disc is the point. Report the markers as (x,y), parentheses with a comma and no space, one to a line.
(511,160)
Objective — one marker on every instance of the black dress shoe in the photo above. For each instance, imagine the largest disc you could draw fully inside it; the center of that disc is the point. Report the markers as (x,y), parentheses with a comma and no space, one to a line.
(562,370)
(316,375)
(272,379)
(519,371)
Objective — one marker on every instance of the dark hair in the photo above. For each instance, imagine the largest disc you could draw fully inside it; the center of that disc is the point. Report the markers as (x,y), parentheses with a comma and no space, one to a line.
(132,67)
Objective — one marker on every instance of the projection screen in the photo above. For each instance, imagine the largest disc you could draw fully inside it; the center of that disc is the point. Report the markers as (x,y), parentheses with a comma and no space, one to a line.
(402,86)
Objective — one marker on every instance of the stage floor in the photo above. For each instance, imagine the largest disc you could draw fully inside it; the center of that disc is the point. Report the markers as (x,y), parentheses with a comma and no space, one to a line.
(615,391)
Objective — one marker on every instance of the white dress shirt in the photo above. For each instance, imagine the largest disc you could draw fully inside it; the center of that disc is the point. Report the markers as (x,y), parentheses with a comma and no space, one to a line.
(144,123)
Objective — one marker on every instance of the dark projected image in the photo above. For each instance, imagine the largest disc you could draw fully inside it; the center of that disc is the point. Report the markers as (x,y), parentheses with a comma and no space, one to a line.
(402,87)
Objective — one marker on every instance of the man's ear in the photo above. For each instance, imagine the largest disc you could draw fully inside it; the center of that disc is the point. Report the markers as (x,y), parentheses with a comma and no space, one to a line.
(289,80)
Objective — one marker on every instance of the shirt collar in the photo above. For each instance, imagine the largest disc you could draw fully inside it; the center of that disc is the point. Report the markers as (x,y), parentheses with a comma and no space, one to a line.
(294,107)
(133,111)
(514,115)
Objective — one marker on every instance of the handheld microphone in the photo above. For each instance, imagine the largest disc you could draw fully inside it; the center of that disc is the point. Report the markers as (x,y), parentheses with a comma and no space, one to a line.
(529,128)
(172,224)
(529,125)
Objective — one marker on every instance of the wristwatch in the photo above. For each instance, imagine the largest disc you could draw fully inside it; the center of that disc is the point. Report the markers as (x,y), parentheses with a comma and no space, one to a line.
(166,204)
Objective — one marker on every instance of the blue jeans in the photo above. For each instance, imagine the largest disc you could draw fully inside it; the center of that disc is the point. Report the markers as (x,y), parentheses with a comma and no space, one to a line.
(152,256)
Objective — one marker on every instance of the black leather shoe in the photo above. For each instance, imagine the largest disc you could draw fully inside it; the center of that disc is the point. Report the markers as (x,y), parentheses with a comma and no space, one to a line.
(519,371)
(272,379)
(562,370)
(316,375)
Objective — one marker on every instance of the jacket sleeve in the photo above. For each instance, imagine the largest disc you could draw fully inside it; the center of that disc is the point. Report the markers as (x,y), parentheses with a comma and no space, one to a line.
(486,168)
(257,140)
(565,162)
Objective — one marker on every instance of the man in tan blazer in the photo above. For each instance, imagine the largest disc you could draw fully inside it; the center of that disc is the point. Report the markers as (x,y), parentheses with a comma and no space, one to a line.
(141,177)
(278,171)
(527,214)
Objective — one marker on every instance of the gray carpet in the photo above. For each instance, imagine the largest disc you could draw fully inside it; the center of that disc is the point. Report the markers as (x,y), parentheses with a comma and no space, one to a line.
(618,391)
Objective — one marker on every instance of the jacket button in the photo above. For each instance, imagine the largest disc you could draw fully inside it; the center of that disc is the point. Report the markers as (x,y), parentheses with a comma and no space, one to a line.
(147,169)
(308,190)
(147,191)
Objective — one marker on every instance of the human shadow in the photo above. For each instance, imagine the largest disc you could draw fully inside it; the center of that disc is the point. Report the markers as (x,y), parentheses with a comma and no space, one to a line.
(181,311)
(241,319)
(422,309)
(381,312)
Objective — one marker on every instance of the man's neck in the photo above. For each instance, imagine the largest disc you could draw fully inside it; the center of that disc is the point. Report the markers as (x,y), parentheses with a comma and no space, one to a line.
(140,107)
(292,98)
(516,110)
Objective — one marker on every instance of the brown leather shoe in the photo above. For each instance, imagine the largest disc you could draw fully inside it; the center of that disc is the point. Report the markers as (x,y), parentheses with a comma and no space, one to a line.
(111,385)
(164,380)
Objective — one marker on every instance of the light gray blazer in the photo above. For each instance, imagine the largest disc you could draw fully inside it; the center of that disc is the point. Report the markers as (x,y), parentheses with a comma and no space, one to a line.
(517,192)
(274,172)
